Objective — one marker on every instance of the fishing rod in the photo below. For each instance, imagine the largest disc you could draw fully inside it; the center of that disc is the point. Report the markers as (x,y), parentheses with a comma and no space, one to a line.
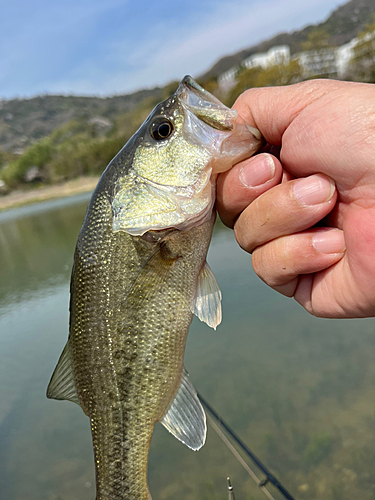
(270,478)
(230,490)
(262,484)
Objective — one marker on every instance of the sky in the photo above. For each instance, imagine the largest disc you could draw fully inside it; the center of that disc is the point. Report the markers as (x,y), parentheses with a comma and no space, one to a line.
(106,47)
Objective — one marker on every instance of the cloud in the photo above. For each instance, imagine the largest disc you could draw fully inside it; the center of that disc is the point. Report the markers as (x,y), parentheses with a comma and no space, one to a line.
(193,48)
(95,47)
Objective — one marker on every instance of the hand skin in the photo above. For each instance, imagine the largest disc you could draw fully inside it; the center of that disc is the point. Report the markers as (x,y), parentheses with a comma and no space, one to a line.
(305,209)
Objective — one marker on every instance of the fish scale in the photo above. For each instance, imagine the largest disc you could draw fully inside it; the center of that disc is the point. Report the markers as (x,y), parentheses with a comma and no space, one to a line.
(138,278)
(131,364)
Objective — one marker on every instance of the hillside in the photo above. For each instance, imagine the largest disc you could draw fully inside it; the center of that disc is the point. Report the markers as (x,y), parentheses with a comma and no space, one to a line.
(51,139)
(23,121)
(342,25)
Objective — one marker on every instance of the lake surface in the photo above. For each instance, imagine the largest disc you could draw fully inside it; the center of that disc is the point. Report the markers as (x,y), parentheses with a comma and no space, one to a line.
(300,391)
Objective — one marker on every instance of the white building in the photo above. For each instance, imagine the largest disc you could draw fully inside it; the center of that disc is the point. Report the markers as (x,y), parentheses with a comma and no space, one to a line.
(227,80)
(343,56)
(276,55)
(330,62)
(279,54)
(318,62)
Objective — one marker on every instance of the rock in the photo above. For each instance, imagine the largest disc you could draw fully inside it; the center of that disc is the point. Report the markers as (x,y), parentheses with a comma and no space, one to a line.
(303,487)
(3,188)
(33,174)
(101,124)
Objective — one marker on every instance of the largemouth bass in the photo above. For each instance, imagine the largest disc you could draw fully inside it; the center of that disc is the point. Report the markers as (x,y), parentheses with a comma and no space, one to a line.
(139,274)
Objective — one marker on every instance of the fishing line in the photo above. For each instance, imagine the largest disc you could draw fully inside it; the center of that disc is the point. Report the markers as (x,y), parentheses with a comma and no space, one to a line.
(238,457)
(215,417)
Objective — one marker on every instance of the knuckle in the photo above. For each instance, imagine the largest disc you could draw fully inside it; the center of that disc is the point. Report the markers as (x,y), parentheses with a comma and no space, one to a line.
(270,263)
(243,98)
(257,263)
(225,218)
(243,238)
(262,267)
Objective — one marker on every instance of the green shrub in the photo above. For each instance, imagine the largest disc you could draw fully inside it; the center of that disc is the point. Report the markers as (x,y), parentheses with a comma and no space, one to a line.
(38,154)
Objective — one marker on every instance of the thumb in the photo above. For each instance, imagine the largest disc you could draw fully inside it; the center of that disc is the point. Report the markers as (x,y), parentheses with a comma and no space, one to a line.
(319,124)
(273,109)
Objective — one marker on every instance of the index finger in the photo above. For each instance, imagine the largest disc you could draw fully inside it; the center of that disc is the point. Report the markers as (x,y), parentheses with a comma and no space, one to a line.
(243,183)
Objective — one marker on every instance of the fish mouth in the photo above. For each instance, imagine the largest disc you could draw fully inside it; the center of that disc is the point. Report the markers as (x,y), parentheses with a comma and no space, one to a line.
(214,126)
(205,106)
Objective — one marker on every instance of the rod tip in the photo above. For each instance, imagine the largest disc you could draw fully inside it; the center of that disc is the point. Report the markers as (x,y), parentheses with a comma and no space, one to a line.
(230,490)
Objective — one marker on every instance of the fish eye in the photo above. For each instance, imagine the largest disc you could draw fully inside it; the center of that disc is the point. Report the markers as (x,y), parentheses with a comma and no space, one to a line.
(161,129)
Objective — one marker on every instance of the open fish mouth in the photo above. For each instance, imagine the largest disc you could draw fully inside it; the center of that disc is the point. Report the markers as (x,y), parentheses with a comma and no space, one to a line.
(205,106)
(209,108)
(211,124)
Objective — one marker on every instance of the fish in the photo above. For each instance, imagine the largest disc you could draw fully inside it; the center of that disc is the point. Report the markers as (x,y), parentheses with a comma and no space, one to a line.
(139,276)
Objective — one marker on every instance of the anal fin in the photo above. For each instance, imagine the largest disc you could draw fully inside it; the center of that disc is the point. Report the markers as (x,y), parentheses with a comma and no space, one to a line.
(185,418)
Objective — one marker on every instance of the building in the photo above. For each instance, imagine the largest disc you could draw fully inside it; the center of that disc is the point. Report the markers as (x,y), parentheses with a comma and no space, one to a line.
(318,62)
(344,54)
(227,80)
(329,62)
(279,54)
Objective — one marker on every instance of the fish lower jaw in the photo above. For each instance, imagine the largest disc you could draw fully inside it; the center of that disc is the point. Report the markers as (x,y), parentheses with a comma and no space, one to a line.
(147,224)
(198,219)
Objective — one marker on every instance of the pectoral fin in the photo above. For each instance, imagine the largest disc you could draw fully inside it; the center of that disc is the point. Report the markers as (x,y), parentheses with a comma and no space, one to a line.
(185,418)
(62,385)
(207,302)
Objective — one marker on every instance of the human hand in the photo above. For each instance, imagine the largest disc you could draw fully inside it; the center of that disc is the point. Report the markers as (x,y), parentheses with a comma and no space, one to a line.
(326,132)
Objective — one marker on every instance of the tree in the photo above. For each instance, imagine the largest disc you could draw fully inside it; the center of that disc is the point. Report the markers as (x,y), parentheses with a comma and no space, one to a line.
(362,66)
(277,74)
(317,39)
(246,79)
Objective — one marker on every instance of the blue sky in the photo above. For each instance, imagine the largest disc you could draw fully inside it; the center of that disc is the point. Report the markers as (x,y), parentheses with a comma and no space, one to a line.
(105,47)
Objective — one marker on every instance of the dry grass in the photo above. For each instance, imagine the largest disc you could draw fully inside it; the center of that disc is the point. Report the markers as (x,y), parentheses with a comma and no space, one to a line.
(69,188)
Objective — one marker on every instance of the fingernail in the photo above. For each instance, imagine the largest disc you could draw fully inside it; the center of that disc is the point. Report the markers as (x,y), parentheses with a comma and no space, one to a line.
(330,241)
(260,170)
(313,190)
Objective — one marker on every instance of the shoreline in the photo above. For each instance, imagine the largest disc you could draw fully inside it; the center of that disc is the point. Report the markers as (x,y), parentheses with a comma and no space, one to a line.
(68,188)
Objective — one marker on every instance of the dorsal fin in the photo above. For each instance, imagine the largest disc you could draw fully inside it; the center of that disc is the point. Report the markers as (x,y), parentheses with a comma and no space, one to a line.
(185,418)
(62,384)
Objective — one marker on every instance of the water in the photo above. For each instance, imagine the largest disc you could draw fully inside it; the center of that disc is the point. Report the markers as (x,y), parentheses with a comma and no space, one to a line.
(299,390)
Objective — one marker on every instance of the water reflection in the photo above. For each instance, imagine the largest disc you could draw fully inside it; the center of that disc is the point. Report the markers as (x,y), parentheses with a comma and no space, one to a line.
(36,247)
(299,391)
